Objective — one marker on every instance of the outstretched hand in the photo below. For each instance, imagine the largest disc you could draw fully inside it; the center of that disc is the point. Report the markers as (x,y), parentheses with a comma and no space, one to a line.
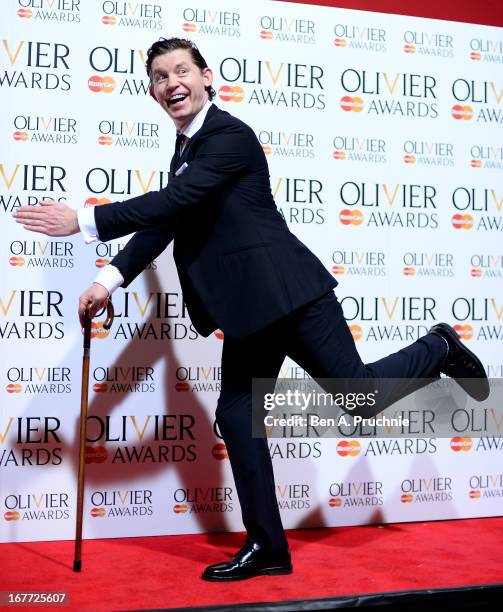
(51,218)
(92,299)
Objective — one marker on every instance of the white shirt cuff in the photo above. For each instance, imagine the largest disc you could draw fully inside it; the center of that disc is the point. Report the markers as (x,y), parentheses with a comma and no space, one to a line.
(110,278)
(87,224)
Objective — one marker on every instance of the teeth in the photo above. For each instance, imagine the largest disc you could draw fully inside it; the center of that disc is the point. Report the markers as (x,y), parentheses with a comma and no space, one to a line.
(177,98)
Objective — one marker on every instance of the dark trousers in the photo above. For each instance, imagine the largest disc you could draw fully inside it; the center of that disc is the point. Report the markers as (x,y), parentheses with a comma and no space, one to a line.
(317,337)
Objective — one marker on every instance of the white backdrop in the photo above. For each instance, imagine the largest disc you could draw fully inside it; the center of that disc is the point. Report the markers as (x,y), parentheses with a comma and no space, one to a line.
(383,135)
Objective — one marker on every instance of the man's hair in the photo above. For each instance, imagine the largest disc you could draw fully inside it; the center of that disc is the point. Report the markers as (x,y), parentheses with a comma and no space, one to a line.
(166,45)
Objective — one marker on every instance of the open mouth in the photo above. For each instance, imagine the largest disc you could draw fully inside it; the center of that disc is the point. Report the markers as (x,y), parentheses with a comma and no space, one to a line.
(176,99)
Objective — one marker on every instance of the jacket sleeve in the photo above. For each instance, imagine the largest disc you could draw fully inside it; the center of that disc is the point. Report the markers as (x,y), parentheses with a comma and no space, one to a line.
(141,250)
(222,156)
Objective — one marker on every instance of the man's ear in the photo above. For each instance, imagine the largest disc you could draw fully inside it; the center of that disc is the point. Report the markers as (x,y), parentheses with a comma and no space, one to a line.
(151,91)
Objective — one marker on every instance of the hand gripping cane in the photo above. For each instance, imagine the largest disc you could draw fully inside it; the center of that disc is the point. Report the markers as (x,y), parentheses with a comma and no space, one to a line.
(77,562)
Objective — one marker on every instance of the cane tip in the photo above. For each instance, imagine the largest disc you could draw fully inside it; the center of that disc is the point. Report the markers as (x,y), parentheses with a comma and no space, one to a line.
(77,565)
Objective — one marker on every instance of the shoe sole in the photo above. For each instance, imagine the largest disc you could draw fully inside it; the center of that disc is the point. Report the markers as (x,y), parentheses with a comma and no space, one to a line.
(484,393)
(269,571)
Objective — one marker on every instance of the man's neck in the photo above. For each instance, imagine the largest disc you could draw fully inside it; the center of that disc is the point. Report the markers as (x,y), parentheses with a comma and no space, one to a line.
(189,128)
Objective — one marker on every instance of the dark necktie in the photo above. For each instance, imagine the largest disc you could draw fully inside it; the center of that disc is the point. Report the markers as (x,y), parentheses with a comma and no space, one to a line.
(180,140)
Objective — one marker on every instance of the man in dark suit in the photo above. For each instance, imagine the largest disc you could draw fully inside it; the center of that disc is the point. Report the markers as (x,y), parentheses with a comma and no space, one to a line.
(241,270)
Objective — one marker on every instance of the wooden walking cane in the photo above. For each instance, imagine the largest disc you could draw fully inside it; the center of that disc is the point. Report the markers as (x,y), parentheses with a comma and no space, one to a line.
(77,562)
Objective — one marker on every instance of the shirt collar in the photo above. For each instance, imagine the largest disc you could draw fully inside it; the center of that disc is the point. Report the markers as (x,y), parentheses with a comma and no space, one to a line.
(197,123)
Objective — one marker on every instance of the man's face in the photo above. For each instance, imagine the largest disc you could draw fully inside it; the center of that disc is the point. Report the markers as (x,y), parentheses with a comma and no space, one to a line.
(179,85)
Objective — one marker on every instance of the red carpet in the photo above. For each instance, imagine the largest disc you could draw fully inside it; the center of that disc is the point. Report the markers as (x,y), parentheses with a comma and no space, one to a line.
(163,572)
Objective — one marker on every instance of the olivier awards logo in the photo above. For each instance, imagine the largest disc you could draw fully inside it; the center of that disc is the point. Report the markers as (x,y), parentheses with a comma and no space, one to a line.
(426,490)
(358,263)
(124,68)
(359,494)
(39,129)
(198,500)
(478,100)
(272,83)
(359,38)
(359,149)
(284,29)
(49,11)
(144,439)
(398,205)
(133,15)
(119,504)
(34,65)
(379,93)
(431,44)
(36,507)
(486,50)
(213,23)
(300,200)
(404,318)
(32,441)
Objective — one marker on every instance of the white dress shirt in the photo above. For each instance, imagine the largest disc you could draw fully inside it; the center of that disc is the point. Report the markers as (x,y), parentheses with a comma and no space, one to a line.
(110,277)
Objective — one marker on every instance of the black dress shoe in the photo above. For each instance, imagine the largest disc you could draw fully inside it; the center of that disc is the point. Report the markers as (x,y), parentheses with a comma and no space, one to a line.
(252,560)
(462,365)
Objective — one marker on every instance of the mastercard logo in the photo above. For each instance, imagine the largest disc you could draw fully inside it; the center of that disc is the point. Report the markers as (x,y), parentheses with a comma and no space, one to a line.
(349,103)
(219,334)
(11,515)
(266,35)
(100,387)
(20,136)
(108,20)
(189,27)
(339,155)
(475,55)
(98,83)
(267,149)
(409,48)
(219,452)
(337,269)
(462,112)
(16,262)
(96,454)
(356,332)
(461,444)
(182,386)
(476,272)
(25,13)
(101,263)
(98,331)
(409,159)
(105,140)
(180,508)
(14,388)
(230,93)
(335,502)
(407,498)
(474,494)
(96,202)
(408,271)
(97,512)
(350,217)
(348,448)
(465,332)
(462,221)
(476,163)
(340,42)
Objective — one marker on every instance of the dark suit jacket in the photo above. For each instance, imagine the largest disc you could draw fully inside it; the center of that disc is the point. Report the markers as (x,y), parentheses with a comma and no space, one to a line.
(239,265)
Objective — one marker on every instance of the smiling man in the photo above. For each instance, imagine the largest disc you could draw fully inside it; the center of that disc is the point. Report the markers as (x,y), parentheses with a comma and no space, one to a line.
(242,270)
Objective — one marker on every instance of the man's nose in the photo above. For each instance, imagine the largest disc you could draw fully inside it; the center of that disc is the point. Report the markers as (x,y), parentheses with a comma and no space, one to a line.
(173,84)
